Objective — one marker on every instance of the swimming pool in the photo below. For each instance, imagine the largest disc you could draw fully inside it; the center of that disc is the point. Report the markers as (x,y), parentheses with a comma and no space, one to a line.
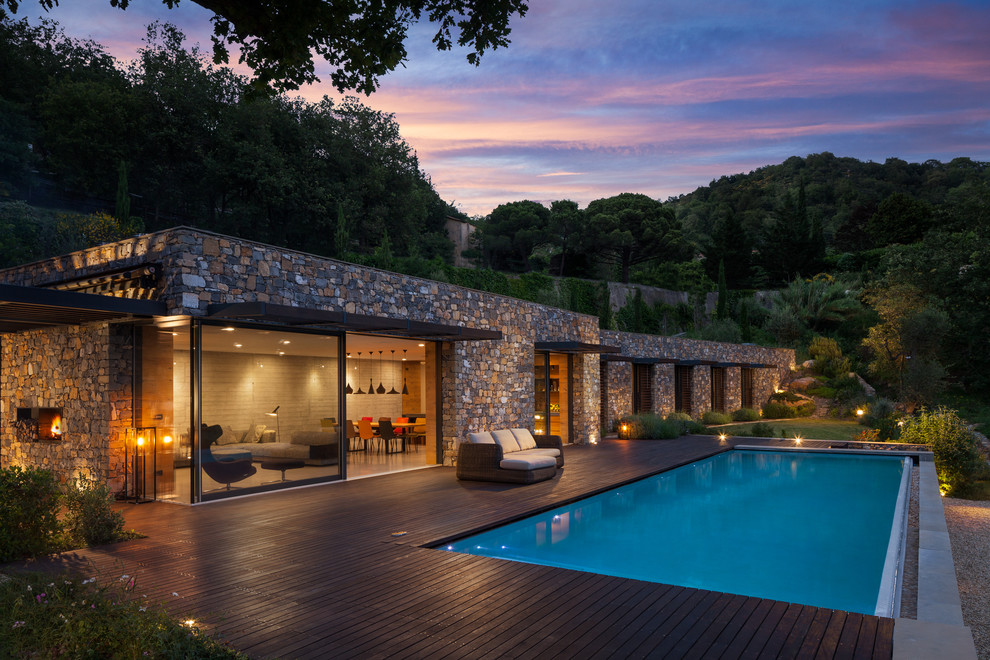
(812,528)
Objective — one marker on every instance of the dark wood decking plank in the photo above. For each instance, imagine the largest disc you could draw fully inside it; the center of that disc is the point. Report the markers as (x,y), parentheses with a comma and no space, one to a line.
(831,635)
(605,627)
(692,633)
(677,621)
(846,647)
(804,640)
(779,634)
(867,638)
(883,648)
(725,627)
(750,628)
(661,611)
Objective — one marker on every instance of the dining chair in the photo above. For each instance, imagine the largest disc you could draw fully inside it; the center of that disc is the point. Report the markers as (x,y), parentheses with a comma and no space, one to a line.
(354,435)
(388,436)
(366,432)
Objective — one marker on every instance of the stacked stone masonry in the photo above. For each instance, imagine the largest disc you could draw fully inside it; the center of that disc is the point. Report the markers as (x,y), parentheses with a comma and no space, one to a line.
(484,384)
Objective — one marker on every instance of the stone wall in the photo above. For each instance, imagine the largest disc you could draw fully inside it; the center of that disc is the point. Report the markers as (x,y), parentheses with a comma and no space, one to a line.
(67,368)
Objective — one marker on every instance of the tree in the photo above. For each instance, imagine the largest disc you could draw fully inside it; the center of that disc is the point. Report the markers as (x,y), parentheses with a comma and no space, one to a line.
(721,308)
(900,219)
(730,247)
(630,229)
(905,346)
(511,232)
(362,41)
(567,225)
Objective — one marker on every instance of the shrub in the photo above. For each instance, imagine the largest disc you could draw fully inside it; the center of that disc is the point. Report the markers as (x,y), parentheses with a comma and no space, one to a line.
(648,427)
(63,616)
(847,388)
(714,417)
(762,430)
(777,410)
(90,518)
(684,423)
(828,357)
(880,415)
(957,457)
(868,435)
(745,415)
(29,506)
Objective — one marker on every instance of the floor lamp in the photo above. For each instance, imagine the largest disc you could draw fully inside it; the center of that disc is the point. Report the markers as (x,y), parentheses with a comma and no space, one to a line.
(274,413)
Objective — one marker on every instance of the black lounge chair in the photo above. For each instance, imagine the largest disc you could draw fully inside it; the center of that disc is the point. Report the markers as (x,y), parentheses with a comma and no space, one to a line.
(224,471)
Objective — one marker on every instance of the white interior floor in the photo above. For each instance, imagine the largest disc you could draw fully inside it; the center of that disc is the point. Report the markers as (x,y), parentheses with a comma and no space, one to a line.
(359,464)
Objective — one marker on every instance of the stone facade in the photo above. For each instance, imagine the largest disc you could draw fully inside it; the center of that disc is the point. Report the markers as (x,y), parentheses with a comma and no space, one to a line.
(765,380)
(484,384)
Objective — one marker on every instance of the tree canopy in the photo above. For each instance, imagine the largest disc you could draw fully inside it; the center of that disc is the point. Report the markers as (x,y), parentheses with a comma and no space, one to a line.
(198,150)
(362,40)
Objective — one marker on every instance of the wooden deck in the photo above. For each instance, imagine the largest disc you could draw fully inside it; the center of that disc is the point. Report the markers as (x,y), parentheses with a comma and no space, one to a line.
(316,573)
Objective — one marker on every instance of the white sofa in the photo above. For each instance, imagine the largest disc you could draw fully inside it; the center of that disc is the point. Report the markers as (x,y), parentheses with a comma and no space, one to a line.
(509,455)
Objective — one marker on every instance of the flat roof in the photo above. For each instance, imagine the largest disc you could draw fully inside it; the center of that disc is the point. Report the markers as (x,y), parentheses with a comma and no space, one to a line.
(326,318)
(573,347)
(30,308)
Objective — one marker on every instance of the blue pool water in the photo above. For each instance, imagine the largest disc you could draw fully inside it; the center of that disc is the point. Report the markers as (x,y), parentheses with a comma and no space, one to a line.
(799,527)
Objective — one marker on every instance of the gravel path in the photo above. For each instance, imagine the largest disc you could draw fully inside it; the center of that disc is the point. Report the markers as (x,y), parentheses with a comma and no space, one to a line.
(969,533)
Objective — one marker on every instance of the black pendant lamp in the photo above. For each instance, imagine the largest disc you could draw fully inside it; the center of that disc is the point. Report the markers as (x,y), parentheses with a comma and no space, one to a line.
(349,389)
(359,390)
(371,380)
(393,390)
(405,390)
(381,387)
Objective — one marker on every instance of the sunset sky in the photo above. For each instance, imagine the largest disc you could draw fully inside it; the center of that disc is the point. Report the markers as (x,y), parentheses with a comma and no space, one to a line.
(595,98)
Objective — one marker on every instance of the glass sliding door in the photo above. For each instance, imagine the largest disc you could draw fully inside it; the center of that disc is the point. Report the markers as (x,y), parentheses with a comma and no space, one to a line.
(270,409)
(552,387)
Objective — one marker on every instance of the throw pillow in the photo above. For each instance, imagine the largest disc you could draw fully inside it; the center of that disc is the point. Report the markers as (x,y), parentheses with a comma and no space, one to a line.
(228,437)
(254,433)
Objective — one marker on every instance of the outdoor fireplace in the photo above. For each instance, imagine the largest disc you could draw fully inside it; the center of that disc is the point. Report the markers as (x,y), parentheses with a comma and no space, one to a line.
(40,424)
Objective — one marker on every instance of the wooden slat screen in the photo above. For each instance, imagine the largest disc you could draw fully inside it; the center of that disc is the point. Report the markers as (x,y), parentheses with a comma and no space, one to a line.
(746,386)
(682,389)
(718,389)
(642,388)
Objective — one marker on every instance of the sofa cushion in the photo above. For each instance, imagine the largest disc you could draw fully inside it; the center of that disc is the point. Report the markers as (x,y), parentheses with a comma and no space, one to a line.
(541,451)
(229,437)
(506,440)
(254,433)
(313,438)
(516,462)
(524,438)
(483,438)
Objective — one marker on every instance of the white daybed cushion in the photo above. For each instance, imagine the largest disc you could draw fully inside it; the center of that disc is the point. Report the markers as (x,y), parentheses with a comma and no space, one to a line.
(505,438)
(541,451)
(483,438)
(524,438)
(527,462)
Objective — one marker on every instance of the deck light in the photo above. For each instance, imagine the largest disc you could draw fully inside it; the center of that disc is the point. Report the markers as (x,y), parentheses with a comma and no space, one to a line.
(228,329)
(797,439)
(722,437)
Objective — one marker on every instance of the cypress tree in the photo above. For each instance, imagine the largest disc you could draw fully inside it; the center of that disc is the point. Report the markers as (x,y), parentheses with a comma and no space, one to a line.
(122,211)
(721,307)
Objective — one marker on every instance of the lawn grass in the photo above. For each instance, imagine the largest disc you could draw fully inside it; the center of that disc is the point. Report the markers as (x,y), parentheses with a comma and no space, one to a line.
(807,428)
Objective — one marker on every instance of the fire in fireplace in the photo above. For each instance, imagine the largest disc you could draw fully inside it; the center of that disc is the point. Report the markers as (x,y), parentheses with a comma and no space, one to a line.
(34,424)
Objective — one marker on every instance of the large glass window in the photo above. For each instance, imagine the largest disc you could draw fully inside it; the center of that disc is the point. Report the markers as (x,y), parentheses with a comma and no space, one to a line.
(270,407)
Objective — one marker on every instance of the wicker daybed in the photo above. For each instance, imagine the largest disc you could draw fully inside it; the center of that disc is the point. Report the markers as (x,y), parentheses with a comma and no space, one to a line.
(510,456)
